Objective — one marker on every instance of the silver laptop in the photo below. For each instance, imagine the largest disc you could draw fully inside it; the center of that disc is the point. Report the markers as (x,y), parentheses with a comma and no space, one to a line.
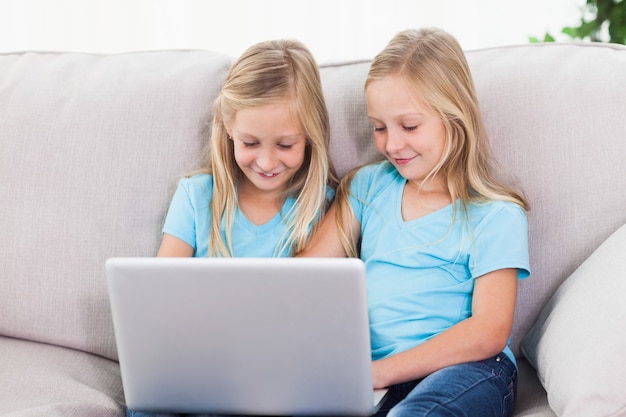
(258,336)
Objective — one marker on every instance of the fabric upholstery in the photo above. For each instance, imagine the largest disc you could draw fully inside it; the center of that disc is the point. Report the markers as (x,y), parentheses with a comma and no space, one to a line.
(351,142)
(578,353)
(554,114)
(52,381)
(91,147)
(531,398)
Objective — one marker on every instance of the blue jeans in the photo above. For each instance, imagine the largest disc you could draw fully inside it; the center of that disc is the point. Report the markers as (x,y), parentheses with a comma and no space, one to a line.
(484,388)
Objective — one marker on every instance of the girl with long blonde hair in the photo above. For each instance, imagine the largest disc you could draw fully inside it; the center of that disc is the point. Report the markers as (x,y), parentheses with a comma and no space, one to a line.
(443,240)
(268,178)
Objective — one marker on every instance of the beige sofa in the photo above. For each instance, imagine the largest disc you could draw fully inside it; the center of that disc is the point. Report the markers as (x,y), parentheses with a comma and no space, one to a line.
(91,147)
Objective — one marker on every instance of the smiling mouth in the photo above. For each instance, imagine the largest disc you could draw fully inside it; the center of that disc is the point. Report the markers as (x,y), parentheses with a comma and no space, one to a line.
(403,161)
(264,175)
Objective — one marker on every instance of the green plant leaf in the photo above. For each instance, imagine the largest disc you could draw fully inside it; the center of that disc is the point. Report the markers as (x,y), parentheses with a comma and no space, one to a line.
(598,18)
(589,29)
(570,31)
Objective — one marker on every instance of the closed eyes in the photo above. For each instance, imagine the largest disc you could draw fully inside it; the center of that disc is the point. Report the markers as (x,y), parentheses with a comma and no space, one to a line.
(282,146)
(406,128)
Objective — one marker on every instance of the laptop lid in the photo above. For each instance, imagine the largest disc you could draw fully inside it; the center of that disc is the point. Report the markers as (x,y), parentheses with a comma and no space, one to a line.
(262,336)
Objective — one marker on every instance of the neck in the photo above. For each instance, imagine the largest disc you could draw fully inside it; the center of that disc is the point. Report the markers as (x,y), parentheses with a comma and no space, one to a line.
(258,206)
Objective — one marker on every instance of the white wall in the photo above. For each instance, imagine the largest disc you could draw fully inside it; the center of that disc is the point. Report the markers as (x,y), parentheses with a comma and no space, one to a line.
(333,29)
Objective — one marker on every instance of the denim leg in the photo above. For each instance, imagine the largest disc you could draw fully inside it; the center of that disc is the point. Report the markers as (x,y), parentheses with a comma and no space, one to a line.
(395,394)
(484,388)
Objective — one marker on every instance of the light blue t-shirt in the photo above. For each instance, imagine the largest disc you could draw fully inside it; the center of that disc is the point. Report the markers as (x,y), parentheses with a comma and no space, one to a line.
(420,273)
(189,219)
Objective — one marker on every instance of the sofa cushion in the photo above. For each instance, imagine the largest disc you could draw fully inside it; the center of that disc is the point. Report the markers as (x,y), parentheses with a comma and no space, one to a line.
(90,151)
(577,344)
(531,398)
(45,380)
(351,142)
(554,113)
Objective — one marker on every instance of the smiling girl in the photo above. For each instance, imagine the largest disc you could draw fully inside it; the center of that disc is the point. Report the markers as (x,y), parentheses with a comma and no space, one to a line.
(443,241)
(268,178)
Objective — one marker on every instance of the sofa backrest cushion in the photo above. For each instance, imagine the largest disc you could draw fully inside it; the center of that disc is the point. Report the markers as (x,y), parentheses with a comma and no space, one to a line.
(91,147)
(584,321)
(555,116)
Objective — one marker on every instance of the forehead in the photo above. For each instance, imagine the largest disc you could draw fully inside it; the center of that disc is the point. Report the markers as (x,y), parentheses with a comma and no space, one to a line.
(395,93)
(281,110)
(272,119)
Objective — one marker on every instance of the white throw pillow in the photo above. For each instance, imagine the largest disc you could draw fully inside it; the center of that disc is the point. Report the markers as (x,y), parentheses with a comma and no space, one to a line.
(578,344)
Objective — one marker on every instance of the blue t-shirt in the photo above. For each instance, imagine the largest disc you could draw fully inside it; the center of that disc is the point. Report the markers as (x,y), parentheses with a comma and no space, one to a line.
(189,219)
(420,273)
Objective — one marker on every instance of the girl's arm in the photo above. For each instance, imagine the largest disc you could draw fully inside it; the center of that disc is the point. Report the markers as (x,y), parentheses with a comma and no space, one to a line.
(172,246)
(326,240)
(480,336)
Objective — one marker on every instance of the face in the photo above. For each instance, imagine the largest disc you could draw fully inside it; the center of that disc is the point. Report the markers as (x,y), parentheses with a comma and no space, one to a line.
(409,133)
(269,146)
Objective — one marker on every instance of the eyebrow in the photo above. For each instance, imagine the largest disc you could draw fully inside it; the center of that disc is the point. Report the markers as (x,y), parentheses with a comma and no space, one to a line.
(289,136)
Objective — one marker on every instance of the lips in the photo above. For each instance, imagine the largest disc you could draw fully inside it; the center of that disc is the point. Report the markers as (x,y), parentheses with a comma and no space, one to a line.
(264,175)
(402,161)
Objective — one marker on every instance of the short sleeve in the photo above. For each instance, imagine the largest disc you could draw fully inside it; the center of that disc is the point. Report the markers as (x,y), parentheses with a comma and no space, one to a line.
(501,241)
(367,183)
(191,195)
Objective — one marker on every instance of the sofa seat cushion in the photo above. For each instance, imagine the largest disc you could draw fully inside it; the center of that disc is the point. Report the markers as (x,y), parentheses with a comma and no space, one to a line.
(578,342)
(531,397)
(46,380)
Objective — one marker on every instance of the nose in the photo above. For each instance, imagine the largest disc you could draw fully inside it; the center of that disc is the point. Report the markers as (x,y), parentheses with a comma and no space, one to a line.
(266,160)
(393,141)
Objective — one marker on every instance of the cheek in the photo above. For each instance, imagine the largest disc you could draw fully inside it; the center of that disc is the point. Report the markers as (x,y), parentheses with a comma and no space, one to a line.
(441,145)
(380,142)
(243,156)
(295,159)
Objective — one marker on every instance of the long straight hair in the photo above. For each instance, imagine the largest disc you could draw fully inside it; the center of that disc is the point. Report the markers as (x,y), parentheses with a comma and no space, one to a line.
(270,72)
(433,63)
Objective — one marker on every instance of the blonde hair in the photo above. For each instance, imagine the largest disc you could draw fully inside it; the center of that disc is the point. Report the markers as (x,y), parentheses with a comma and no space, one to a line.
(270,72)
(433,62)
